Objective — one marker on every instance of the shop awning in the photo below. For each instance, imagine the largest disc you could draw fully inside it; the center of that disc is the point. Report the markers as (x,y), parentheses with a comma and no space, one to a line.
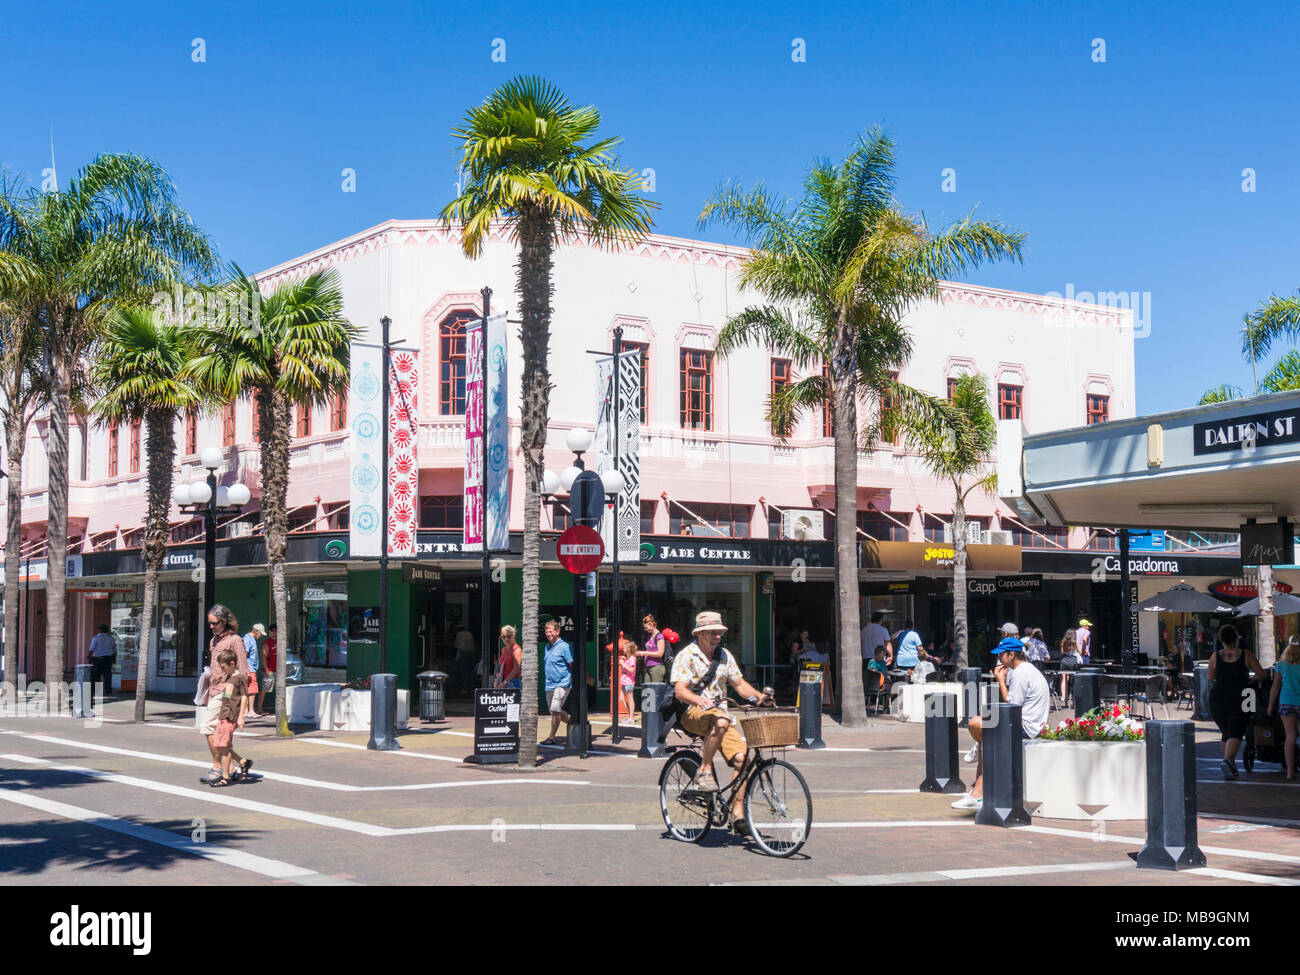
(1204,468)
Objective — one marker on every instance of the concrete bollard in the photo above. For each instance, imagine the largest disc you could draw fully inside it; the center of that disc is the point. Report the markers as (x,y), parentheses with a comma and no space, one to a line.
(941,768)
(653,731)
(810,713)
(1171,798)
(383,713)
(1004,769)
(1087,692)
(83,691)
(969,678)
(1202,712)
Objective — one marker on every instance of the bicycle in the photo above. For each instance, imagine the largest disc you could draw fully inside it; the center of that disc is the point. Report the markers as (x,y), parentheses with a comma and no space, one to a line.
(778,805)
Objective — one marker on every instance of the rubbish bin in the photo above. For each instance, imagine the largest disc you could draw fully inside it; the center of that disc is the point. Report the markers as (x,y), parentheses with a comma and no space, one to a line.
(433,695)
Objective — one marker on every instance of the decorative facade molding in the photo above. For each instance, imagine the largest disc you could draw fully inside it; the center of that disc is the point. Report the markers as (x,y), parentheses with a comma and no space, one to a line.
(635,329)
(692,336)
(1097,384)
(449,302)
(1045,306)
(956,366)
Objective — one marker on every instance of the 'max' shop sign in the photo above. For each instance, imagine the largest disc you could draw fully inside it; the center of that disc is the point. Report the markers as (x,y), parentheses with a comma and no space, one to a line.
(1247,432)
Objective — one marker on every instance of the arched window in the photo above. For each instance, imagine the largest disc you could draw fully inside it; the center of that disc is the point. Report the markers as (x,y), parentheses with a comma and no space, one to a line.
(451,363)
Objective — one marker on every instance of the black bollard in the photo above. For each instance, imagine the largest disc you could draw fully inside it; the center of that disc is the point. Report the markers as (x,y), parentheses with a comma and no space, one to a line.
(810,711)
(1087,692)
(1171,798)
(83,691)
(941,768)
(1202,712)
(383,713)
(969,678)
(653,732)
(1004,769)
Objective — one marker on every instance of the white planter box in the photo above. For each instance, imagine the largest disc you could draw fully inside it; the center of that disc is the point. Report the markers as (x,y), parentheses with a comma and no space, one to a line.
(1086,779)
(301,701)
(338,710)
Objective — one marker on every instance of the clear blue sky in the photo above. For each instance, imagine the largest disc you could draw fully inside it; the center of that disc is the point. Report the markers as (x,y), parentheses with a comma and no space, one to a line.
(1127,174)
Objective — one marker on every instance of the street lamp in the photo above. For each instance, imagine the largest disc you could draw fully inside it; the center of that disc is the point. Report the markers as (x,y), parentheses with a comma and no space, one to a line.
(209,499)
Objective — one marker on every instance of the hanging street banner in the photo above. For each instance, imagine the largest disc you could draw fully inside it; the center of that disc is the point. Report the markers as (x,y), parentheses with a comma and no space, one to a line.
(403,464)
(486,512)
(626,524)
(366,451)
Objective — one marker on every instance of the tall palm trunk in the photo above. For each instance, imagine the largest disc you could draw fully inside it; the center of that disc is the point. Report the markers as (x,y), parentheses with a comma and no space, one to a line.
(534,289)
(1267,637)
(57,534)
(959,624)
(273,416)
(844,426)
(162,454)
(14,446)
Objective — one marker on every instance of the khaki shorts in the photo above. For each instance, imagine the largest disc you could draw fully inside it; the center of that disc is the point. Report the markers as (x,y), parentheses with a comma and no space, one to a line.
(208,715)
(558,696)
(699,722)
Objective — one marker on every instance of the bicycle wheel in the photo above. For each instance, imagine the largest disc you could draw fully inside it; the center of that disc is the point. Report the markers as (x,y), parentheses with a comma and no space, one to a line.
(778,808)
(687,817)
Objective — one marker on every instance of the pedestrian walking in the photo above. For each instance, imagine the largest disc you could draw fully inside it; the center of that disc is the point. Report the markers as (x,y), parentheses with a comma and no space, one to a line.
(1284,698)
(270,660)
(224,628)
(656,650)
(1229,682)
(1070,660)
(233,702)
(103,651)
(511,662)
(1083,639)
(627,674)
(558,667)
(254,663)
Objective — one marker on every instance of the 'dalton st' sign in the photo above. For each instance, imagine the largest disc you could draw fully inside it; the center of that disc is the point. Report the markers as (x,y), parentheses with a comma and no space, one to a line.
(1246,433)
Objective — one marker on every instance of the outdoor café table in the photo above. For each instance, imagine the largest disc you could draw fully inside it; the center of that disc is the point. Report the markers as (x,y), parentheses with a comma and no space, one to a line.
(1133,682)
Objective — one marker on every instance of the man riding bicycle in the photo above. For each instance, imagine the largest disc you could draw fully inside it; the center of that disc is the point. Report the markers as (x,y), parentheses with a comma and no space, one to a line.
(701,672)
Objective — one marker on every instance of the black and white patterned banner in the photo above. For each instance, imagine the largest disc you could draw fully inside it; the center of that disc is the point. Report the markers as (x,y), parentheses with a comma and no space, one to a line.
(628,516)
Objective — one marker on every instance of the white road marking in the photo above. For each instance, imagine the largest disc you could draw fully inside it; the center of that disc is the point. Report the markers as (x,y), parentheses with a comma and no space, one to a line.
(276,869)
(190,729)
(895,792)
(1250,878)
(1130,840)
(885,824)
(543,827)
(291,779)
(407,753)
(979,873)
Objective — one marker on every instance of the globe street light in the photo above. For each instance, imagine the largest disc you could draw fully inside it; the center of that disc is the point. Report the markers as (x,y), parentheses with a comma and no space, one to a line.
(209,499)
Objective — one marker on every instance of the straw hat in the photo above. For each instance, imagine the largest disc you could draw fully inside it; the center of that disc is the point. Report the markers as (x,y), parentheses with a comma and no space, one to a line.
(708,621)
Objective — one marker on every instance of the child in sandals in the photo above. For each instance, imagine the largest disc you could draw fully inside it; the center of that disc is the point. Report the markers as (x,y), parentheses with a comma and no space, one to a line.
(234,704)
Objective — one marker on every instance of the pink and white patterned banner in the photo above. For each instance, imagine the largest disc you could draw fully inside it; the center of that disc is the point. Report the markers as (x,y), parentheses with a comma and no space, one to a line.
(472,532)
(403,465)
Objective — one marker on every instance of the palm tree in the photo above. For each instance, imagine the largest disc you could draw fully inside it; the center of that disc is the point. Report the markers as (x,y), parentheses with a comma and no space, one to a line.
(957,449)
(844,260)
(115,235)
(297,353)
(139,375)
(22,392)
(525,163)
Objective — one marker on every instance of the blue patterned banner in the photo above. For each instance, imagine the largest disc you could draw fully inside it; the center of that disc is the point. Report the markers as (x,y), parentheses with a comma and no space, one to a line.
(365,409)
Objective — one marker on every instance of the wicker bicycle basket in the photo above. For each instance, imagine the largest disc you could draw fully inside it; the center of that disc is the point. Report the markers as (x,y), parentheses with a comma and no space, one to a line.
(770,727)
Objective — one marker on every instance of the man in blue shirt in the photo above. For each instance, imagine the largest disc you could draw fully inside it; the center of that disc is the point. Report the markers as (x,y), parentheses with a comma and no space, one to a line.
(909,641)
(559,677)
(102,652)
(250,649)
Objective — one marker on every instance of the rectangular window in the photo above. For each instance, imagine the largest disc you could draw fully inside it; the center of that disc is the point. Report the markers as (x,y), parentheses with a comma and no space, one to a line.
(560,516)
(1045,537)
(780,379)
(441,511)
(303,427)
(644,348)
(696,390)
(884,529)
(648,517)
(135,447)
(228,425)
(936,532)
(257,419)
(889,427)
(828,417)
(339,412)
(711,520)
(451,363)
(1098,409)
(952,386)
(191,432)
(113,449)
(1010,401)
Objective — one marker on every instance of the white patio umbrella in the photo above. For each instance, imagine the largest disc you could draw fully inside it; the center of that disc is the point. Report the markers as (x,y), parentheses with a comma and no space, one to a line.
(1284,604)
(1182,598)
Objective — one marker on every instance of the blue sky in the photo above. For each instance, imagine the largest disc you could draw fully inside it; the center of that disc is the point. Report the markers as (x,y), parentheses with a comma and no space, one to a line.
(1127,174)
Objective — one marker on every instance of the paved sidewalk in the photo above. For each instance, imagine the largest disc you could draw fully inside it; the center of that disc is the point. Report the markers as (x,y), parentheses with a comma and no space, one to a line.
(121,804)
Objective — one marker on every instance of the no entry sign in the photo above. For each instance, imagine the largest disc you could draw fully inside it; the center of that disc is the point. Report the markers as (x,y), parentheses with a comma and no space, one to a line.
(580,549)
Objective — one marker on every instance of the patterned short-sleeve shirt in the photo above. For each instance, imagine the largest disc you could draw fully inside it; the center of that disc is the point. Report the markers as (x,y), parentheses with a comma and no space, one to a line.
(692,663)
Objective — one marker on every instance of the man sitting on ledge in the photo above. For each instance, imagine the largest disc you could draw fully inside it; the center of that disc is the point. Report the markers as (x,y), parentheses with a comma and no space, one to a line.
(1021,683)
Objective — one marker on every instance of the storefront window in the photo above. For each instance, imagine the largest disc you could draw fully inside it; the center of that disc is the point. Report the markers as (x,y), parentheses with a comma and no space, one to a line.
(176,629)
(318,622)
(674,601)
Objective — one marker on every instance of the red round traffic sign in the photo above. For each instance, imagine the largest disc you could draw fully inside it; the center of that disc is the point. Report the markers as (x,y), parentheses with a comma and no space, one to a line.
(580,549)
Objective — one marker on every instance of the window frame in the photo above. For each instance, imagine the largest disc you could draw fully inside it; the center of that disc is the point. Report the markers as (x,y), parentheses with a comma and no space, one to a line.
(1011,396)
(228,427)
(114,449)
(453,334)
(686,371)
(1101,415)
(644,349)
(135,451)
(777,364)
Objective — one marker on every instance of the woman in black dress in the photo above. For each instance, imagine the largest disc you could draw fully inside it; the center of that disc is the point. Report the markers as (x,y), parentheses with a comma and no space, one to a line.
(1229,682)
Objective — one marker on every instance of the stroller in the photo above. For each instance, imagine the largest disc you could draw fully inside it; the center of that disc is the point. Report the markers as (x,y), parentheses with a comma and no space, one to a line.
(1265,736)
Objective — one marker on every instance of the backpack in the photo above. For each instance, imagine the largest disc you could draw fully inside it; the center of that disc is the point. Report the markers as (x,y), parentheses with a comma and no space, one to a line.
(670,638)
(671,709)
